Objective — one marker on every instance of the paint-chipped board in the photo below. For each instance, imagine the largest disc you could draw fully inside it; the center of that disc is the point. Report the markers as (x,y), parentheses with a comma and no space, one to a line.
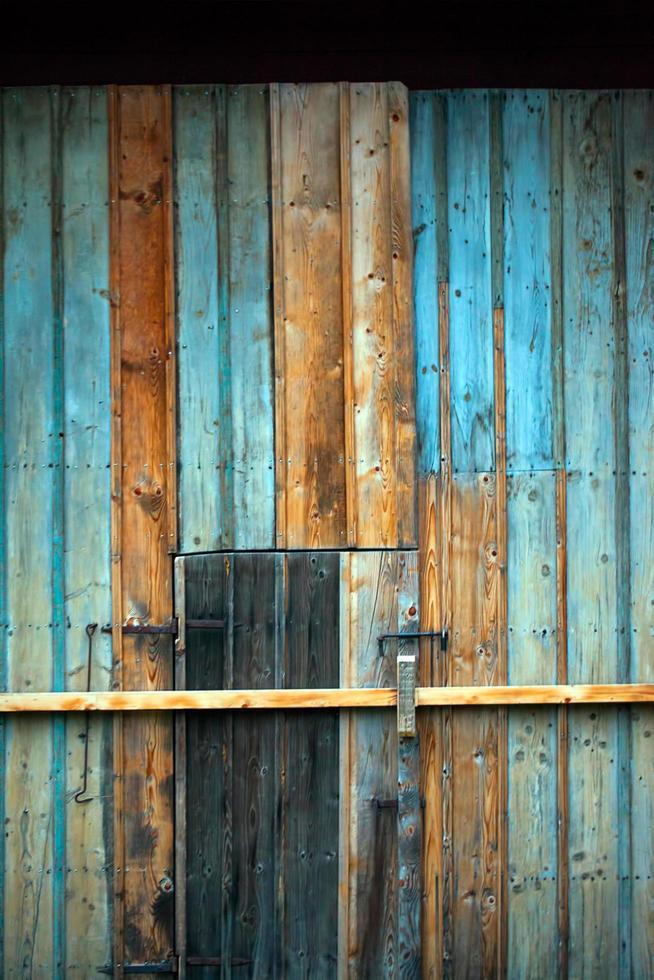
(222,192)
(29,928)
(311,474)
(375,580)
(471,927)
(87,497)
(589,399)
(471,326)
(145,509)
(532,741)
(639,235)
(308,757)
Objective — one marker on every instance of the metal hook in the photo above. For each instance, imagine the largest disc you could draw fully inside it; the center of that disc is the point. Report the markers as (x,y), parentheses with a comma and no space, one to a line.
(80,796)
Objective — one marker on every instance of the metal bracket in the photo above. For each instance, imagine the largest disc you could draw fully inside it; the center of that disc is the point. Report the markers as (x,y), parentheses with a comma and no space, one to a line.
(407,669)
(431,634)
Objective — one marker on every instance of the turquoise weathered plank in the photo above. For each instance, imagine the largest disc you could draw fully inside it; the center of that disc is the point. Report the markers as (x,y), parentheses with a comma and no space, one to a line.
(639,281)
(527,315)
(424,188)
(30,455)
(226,454)
(589,393)
(471,325)
(85,483)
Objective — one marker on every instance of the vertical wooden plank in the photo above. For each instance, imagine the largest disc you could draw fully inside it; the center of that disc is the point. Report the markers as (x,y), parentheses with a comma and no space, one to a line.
(424,187)
(181,763)
(473,660)
(144,507)
(527,280)
(30,476)
(589,392)
(531,914)
(205,464)
(311,767)
(639,282)
(401,244)
(349,393)
(409,811)
(250,884)
(309,332)
(206,597)
(377,581)
(86,484)
(248,182)
(223,275)
(374,352)
(471,328)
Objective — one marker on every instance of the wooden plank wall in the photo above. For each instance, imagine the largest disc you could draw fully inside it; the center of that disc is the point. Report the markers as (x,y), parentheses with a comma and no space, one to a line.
(55,543)
(533,298)
(326,168)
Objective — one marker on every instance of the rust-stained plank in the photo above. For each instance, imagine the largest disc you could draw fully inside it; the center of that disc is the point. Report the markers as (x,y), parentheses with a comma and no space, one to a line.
(143,513)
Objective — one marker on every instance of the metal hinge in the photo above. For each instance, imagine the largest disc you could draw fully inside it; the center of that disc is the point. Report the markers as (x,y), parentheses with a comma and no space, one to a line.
(165,966)
(171,628)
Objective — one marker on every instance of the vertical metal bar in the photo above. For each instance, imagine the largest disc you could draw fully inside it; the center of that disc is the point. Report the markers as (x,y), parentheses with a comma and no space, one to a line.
(3,531)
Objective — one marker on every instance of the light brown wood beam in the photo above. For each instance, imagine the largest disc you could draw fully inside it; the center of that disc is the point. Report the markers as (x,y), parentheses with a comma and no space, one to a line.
(325,698)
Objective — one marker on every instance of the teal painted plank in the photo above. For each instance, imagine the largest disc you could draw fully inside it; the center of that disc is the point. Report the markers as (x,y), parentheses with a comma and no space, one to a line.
(203,449)
(589,366)
(224,318)
(527,313)
(250,312)
(532,735)
(424,190)
(639,249)
(30,456)
(57,551)
(471,326)
(86,424)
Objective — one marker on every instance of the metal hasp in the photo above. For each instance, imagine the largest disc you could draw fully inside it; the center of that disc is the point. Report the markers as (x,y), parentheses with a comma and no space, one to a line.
(431,634)
(406,695)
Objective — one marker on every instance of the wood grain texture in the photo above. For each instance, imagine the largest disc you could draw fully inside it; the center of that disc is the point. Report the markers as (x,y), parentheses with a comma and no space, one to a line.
(144,504)
(345,415)
(87,505)
(222,178)
(471,326)
(312,417)
(639,281)
(31,934)
(588,257)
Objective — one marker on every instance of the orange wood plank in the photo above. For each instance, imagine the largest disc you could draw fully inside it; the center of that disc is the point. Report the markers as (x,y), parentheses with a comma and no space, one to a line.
(143,513)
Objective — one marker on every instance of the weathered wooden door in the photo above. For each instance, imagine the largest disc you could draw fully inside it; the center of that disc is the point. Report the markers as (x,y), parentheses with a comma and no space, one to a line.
(287,856)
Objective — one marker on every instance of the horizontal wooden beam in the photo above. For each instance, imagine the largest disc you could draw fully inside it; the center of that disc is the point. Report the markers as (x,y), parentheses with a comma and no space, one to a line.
(324,698)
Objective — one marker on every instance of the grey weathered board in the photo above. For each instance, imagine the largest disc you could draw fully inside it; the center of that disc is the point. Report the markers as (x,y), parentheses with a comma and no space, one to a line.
(266,791)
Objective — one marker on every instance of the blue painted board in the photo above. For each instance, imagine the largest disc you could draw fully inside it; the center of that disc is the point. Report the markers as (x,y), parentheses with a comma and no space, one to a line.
(86,423)
(424,192)
(471,321)
(226,453)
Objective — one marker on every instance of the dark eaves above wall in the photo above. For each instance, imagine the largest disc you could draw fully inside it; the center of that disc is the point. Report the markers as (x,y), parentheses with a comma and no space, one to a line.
(455,45)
